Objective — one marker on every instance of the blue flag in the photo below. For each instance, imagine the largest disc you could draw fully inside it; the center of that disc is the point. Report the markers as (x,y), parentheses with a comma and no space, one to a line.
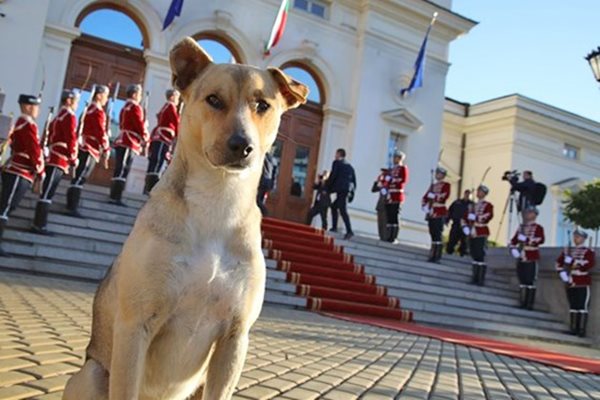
(174,11)
(417,79)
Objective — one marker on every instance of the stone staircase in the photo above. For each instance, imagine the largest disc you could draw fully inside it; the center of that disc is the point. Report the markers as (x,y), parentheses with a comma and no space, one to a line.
(437,294)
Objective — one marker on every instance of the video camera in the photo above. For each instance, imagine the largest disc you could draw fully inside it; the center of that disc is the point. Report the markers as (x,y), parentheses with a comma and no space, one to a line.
(511,176)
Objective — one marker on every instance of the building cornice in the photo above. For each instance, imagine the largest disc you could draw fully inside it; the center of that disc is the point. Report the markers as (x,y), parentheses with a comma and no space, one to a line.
(62,32)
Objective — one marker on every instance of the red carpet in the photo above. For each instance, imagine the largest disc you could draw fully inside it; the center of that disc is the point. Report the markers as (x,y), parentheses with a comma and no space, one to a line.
(564,361)
(324,274)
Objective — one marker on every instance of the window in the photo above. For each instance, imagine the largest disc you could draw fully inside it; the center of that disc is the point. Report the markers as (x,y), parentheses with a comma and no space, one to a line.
(314,7)
(571,152)
(395,142)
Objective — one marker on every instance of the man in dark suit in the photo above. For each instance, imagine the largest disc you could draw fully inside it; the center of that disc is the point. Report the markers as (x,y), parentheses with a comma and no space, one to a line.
(342,182)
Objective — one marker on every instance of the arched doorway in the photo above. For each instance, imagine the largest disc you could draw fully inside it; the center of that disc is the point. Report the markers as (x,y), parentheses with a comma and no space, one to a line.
(109,51)
(221,49)
(296,150)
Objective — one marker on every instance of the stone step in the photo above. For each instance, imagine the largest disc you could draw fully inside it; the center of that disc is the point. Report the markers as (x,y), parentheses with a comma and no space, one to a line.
(467,304)
(24,263)
(497,317)
(475,326)
(438,273)
(24,224)
(91,201)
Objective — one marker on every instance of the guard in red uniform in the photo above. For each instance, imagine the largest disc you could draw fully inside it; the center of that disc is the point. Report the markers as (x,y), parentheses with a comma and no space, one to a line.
(434,206)
(25,163)
(94,143)
(573,267)
(393,190)
(132,140)
(163,138)
(62,148)
(525,249)
(475,227)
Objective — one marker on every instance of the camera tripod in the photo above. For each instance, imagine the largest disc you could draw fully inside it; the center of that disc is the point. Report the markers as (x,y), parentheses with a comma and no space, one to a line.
(509,206)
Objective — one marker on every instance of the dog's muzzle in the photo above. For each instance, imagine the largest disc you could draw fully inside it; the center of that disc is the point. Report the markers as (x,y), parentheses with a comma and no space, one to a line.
(240,147)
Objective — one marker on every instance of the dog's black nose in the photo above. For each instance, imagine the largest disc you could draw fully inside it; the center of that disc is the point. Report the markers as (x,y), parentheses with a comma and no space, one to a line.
(240,145)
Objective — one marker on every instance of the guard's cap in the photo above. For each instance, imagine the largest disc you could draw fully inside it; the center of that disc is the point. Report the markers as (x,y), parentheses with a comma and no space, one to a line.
(170,92)
(441,170)
(100,89)
(29,99)
(484,189)
(398,153)
(69,94)
(532,209)
(580,233)
(133,88)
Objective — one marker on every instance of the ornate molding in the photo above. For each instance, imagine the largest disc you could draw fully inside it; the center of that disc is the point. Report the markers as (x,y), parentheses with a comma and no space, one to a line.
(403,119)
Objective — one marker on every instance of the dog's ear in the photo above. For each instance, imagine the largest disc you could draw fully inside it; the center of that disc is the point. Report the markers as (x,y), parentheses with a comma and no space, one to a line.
(188,60)
(293,92)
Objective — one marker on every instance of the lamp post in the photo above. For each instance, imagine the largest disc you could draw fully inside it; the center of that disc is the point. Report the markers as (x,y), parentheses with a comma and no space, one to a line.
(594,59)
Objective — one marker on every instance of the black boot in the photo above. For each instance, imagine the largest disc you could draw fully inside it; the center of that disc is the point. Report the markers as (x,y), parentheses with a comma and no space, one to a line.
(474,273)
(395,232)
(522,297)
(116,192)
(582,323)
(573,322)
(438,252)
(3,223)
(432,252)
(40,219)
(481,274)
(530,298)
(73,200)
(151,180)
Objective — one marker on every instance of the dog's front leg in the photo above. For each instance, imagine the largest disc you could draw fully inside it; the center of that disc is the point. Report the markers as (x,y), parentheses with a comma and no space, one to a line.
(225,366)
(130,345)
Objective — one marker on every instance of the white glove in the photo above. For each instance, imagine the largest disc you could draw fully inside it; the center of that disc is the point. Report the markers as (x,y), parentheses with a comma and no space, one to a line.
(383,191)
(568,260)
(515,253)
(564,276)
(431,196)
(471,217)
(426,209)
(466,230)
(521,238)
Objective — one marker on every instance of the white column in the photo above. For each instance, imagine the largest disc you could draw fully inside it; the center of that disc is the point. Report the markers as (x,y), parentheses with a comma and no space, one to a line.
(335,134)
(157,80)
(55,53)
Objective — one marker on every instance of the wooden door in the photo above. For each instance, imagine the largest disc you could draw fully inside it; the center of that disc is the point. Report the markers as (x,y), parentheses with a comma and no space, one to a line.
(108,63)
(295,152)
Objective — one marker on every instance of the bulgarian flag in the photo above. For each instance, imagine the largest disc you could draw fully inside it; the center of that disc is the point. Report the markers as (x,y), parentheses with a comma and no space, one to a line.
(278,26)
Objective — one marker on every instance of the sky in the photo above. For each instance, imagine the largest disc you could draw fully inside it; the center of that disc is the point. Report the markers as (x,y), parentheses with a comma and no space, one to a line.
(532,47)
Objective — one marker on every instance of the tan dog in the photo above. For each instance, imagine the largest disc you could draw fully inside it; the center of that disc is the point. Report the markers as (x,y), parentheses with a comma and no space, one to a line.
(171,319)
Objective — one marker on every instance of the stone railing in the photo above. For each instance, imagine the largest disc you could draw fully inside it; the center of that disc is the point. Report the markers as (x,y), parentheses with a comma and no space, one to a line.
(550,289)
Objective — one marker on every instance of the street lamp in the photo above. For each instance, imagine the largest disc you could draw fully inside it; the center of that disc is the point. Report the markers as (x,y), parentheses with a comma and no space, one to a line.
(594,59)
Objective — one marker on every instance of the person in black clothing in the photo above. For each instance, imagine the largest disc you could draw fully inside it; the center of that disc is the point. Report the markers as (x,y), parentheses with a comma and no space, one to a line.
(322,201)
(455,213)
(342,182)
(526,190)
(266,183)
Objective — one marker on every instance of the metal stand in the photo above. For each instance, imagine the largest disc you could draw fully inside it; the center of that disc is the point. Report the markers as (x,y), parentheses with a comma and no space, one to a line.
(510,206)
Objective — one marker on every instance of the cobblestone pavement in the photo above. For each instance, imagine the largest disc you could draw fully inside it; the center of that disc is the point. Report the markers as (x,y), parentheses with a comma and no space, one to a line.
(44,328)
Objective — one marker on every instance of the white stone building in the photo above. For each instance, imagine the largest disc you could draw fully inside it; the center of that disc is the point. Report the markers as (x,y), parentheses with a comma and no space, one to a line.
(359,52)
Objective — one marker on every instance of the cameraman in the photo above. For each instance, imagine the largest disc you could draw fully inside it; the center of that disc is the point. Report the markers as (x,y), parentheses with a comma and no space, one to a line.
(526,188)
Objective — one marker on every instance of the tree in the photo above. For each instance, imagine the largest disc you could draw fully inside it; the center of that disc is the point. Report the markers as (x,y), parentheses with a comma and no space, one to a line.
(582,207)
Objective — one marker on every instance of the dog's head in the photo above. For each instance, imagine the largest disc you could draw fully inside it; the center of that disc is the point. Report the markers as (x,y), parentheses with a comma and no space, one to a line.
(232,112)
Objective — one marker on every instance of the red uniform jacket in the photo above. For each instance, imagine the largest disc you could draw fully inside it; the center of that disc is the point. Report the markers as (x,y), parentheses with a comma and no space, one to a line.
(27,158)
(436,198)
(582,259)
(484,212)
(168,122)
(394,183)
(94,138)
(62,140)
(132,126)
(527,239)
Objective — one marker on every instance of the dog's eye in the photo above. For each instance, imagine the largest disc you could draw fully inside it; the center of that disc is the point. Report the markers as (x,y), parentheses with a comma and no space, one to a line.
(215,102)
(262,106)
